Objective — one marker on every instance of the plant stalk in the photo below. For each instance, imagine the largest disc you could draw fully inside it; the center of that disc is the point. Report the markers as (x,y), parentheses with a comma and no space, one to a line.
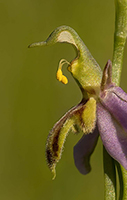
(118,53)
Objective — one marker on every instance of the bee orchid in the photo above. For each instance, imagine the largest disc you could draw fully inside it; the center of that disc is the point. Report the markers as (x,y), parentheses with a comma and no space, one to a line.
(102,110)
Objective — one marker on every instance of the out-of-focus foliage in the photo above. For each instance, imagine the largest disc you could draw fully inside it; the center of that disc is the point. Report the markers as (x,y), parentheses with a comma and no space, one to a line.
(32,100)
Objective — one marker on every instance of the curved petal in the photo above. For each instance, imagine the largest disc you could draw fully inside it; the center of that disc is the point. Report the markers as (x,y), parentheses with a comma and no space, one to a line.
(84,67)
(113,135)
(81,118)
(115,100)
(59,132)
(83,150)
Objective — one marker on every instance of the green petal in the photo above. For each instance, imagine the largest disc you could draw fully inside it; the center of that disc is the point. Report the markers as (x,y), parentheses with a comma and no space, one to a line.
(81,118)
(84,68)
(58,134)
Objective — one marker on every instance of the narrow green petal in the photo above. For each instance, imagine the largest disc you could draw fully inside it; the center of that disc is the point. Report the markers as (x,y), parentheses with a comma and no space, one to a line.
(84,68)
(81,118)
(55,144)
(58,134)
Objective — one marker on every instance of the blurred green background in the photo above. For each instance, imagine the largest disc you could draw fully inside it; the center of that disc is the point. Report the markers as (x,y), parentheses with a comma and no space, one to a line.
(32,100)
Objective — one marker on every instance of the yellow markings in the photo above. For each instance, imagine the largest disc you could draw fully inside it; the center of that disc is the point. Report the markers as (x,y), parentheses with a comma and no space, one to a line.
(59,75)
(64,80)
(89,115)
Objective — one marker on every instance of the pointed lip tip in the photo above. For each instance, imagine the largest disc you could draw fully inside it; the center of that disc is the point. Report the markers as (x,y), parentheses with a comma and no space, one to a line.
(29,46)
(32,45)
(37,44)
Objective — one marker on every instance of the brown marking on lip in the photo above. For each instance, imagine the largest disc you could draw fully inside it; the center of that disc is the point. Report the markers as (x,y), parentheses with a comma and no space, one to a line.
(49,157)
(55,145)
(52,148)
(51,152)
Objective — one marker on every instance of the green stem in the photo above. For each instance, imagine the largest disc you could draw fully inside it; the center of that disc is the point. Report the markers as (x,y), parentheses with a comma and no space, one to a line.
(119,44)
(119,39)
(124,180)
(120,180)
(122,173)
(109,176)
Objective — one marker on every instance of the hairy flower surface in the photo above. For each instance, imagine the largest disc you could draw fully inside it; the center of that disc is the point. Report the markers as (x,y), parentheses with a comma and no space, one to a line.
(102,111)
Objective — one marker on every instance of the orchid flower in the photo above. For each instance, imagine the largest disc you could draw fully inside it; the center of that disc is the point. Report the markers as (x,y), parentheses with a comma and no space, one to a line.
(102,110)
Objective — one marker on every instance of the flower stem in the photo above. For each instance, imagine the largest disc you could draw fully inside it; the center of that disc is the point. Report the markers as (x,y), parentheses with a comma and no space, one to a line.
(120,176)
(124,180)
(119,38)
(119,44)
(109,176)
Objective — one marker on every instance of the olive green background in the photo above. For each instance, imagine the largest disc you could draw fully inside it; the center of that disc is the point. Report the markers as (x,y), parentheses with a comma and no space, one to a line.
(32,100)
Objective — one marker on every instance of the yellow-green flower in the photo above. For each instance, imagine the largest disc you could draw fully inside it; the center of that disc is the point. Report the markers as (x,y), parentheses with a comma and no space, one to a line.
(102,110)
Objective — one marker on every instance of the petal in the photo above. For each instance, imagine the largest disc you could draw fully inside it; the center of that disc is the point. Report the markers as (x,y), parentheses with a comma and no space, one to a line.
(115,100)
(84,67)
(59,132)
(119,92)
(83,150)
(113,135)
(81,118)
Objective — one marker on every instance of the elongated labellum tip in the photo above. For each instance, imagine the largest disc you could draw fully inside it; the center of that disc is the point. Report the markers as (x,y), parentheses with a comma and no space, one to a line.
(56,141)
(54,173)
(57,136)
